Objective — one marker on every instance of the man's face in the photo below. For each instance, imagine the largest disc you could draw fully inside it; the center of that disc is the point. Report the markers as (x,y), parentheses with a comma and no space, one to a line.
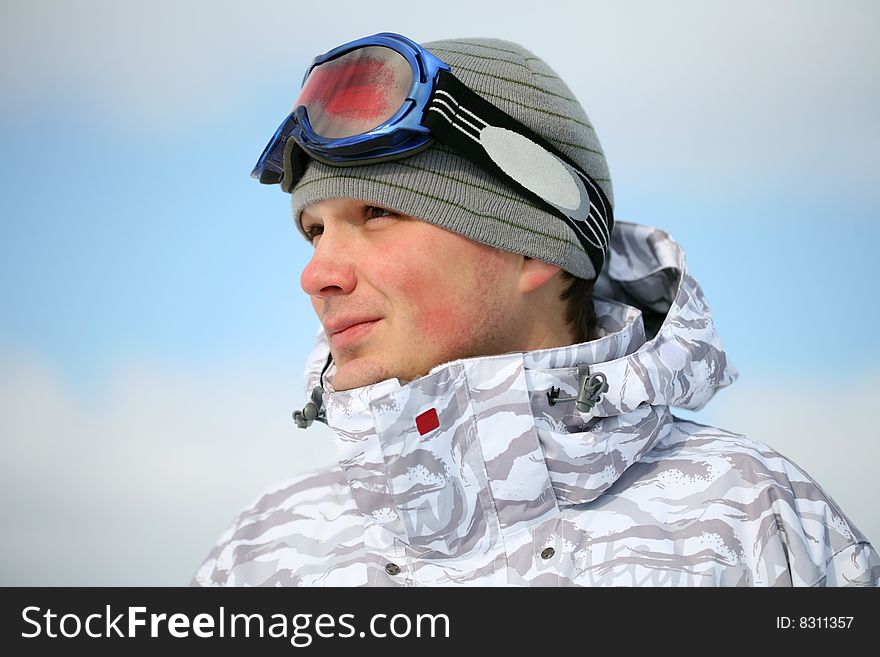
(432,295)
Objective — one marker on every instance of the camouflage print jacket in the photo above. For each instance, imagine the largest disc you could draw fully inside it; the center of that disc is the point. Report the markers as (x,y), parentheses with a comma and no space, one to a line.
(469,475)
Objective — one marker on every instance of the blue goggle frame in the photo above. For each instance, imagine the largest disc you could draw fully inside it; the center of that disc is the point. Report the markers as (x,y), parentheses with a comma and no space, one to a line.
(401,134)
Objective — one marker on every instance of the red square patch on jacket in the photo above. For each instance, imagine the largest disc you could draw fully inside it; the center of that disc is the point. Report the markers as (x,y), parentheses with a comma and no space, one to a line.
(427,421)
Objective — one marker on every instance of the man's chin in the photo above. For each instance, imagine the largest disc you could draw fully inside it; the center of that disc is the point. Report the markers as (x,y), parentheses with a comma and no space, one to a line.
(358,373)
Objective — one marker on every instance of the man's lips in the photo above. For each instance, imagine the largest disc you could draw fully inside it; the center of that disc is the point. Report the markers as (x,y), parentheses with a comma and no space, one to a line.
(352,333)
(338,325)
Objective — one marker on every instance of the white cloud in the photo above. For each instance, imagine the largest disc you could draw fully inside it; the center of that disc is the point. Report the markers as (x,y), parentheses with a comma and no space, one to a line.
(133,485)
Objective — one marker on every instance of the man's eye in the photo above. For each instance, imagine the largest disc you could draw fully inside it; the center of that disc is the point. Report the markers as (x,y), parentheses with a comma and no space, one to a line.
(372,212)
(313,231)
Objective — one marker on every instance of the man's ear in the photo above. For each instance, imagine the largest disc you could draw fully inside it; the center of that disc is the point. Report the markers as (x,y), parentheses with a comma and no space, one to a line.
(535,274)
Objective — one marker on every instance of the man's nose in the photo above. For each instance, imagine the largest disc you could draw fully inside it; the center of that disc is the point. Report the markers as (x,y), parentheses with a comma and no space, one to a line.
(330,271)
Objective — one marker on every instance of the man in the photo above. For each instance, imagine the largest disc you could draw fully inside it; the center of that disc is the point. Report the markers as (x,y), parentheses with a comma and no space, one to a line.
(499,374)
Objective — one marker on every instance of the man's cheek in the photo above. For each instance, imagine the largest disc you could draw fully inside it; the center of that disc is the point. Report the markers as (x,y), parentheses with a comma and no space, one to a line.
(437,308)
(438,321)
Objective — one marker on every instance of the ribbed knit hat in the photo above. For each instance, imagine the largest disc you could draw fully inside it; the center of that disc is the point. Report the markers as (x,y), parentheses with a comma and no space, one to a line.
(445,189)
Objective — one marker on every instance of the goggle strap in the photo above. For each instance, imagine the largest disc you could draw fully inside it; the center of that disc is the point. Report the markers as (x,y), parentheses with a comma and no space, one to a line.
(457,116)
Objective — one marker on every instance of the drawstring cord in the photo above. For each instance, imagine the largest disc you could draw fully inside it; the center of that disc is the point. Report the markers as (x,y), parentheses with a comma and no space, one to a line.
(591,387)
(314,410)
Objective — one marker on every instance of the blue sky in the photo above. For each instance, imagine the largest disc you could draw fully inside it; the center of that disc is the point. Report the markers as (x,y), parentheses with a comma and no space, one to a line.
(134,246)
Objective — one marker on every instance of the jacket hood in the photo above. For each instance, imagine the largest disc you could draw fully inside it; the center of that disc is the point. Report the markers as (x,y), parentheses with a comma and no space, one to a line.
(504,453)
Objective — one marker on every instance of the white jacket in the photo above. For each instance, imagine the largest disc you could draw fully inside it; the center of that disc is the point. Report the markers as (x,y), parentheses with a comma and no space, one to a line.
(514,488)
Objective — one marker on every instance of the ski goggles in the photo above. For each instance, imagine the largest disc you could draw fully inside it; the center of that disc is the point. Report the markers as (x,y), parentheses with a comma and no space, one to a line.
(385,97)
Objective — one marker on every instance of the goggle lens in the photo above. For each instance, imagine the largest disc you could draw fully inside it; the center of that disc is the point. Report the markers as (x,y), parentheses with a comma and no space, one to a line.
(355,92)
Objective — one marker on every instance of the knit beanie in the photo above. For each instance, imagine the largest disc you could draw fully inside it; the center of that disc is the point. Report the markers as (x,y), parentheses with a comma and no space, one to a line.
(443,188)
